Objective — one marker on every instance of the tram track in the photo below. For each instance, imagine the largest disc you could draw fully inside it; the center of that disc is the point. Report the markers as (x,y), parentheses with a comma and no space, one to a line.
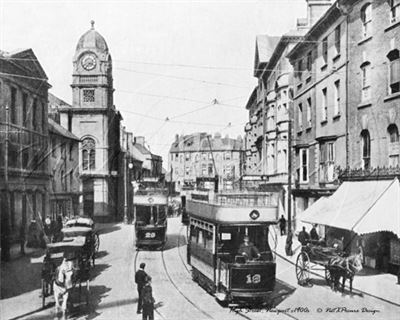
(179,290)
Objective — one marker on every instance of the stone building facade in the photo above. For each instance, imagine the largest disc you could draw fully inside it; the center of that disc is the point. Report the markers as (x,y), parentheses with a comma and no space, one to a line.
(24,136)
(200,156)
(64,165)
(374,83)
(94,119)
(319,108)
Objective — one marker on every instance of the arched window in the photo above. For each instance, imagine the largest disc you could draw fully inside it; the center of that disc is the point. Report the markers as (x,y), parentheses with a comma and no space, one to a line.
(393,149)
(394,71)
(366,149)
(88,154)
(366,18)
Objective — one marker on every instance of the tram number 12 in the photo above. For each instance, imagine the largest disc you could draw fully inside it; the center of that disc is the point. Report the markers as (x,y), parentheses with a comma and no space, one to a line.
(253,278)
(150,235)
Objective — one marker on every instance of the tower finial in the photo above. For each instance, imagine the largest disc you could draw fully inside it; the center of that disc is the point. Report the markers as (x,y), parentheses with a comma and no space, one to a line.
(92,23)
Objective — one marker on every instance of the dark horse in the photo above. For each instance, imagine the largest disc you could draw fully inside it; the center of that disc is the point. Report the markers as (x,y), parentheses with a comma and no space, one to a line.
(345,268)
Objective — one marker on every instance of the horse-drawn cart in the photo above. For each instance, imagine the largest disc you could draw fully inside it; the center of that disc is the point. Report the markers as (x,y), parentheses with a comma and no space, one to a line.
(314,257)
(333,262)
(73,250)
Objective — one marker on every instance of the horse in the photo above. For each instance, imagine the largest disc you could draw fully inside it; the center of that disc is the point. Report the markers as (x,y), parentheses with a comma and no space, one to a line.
(63,283)
(345,268)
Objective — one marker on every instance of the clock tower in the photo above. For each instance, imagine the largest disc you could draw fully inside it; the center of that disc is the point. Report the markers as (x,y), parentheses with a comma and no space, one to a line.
(94,119)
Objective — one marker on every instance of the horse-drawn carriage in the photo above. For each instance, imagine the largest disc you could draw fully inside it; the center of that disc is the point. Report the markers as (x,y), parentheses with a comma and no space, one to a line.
(83,227)
(65,266)
(335,264)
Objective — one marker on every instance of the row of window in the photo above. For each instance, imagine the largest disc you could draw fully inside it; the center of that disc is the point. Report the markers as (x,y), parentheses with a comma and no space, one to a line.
(327,155)
(31,109)
(207,170)
(63,149)
(204,156)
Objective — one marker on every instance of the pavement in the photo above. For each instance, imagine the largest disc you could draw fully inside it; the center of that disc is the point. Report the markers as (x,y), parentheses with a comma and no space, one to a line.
(367,282)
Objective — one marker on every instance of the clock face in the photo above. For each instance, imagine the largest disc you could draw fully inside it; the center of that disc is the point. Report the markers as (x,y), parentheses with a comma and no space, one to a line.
(88,62)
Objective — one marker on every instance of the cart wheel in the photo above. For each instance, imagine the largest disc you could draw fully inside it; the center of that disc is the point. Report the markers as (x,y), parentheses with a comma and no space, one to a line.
(96,242)
(328,276)
(303,267)
(43,293)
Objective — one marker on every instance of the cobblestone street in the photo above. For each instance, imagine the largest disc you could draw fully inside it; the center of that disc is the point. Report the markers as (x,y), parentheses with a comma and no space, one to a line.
(113,292)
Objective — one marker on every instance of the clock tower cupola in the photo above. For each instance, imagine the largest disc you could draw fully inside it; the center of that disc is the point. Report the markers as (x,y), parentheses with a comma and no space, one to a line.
(92,82)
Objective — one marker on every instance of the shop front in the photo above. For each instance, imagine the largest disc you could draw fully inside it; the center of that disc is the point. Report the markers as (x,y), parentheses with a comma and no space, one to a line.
(365,217)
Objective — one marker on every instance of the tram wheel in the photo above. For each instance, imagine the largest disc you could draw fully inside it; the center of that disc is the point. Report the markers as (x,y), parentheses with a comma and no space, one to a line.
(303,268)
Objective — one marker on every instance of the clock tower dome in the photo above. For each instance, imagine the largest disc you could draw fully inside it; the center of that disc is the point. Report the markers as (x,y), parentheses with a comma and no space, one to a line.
(92,84)
(94,119)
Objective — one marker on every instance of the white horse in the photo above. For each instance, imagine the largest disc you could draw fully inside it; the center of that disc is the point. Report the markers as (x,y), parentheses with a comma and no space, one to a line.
(63,284)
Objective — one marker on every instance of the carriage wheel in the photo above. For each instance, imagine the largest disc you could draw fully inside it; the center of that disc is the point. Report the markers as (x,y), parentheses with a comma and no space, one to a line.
(44,285)
(96,242)
(303,267)
(328,276)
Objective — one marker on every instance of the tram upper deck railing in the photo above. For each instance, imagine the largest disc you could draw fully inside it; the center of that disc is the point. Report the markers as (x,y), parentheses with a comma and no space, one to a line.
(237,199)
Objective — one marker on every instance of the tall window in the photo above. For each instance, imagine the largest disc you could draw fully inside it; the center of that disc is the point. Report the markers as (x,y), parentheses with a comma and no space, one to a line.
(88,154)
(324,105)
(34,114)
(309,60)
(210,169)
(300,117)
(394,146)
(366,18)
(394,71)
(300,69)
(366,149)
(337,39)
(187,156)
(13,106)
(309,105)
(325,49)
(303,165)
(394,10)
(204,169)
(24,109)
(365,81)
(336,106)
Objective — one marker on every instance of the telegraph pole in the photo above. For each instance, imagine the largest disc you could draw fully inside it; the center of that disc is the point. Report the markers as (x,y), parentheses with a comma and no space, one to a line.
(5,221)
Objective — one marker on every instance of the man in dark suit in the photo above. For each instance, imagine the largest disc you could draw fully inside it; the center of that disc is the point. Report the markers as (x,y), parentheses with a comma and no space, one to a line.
(148,300)
(140,279)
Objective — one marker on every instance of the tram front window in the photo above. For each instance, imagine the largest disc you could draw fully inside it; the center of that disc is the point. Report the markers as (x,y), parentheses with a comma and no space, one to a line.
(242,243)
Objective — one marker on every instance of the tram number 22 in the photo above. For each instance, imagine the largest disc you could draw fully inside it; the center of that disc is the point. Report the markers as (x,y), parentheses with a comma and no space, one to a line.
(150,235)
(256,278)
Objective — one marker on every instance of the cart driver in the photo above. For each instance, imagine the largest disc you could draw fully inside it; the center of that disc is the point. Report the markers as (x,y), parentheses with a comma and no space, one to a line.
(248,249)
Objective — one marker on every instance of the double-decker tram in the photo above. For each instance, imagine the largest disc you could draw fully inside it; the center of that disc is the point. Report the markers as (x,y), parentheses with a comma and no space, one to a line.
(229,245)
(150,203)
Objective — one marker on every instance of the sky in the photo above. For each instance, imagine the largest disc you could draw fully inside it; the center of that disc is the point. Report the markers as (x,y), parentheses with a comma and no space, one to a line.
(179,67)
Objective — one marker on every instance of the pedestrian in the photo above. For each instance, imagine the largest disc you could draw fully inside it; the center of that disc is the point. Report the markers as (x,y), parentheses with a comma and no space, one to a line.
(314,234)
(140,279)
(303,237)
(282,225)
(148,300)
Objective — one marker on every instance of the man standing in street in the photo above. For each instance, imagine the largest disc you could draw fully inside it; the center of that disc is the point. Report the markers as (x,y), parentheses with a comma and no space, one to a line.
(148,300)
(303,237)
(140,279)
(282,225)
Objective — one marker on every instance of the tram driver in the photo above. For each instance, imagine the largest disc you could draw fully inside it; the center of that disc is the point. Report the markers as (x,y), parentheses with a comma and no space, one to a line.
(248,250)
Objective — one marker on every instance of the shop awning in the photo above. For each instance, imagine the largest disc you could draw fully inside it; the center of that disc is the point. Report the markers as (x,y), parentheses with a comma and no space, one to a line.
(360,206)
